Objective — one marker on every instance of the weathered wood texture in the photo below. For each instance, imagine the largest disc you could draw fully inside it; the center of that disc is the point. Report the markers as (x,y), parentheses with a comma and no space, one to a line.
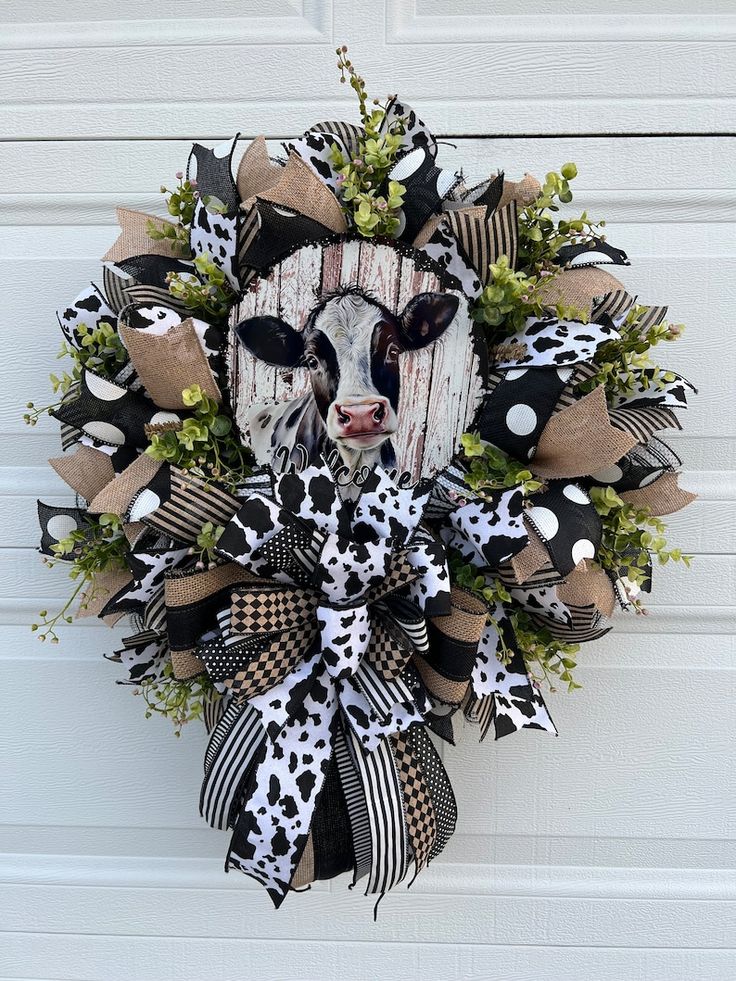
(441,385)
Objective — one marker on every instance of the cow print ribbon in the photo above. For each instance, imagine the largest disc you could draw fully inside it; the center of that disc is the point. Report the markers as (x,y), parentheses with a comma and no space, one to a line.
(313,641)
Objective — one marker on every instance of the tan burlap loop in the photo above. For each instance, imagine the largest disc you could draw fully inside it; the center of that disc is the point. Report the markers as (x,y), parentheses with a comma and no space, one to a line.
(588,584)
(578,287)
(662,496)
(580,440)
(100,591)
(300,188)
(87,471)
(531,558)
(135,240)
(427,231)
(155,428)
(466,620)
(256,173)
(168,363)
(305,869)
(523,192)
(186,665)
(117,495)
(133,531)
(446,691)
(197,586)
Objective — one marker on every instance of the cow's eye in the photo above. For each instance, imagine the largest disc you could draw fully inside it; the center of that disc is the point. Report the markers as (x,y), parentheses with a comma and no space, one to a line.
(311,362)
(392,353)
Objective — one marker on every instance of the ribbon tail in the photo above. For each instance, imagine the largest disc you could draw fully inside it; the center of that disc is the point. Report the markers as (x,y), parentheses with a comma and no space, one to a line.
(273,827)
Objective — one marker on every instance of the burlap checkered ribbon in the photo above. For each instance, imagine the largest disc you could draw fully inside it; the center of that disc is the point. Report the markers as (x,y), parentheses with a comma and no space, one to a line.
(283,618)
(421,824)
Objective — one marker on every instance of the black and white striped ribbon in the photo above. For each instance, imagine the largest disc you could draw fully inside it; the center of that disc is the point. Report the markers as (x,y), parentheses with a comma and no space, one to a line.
(233,745)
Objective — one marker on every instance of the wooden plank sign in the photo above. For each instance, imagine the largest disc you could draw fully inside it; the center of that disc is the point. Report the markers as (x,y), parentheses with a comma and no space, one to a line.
(354,345)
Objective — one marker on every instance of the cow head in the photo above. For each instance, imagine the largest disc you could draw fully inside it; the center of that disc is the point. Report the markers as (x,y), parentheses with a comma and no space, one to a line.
(351,346)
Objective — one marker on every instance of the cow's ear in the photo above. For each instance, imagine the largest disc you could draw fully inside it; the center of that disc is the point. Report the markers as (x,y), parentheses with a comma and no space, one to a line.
(426,317)
(272,340)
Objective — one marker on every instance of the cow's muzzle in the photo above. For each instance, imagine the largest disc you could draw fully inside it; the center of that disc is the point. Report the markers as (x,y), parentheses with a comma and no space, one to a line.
(364,423)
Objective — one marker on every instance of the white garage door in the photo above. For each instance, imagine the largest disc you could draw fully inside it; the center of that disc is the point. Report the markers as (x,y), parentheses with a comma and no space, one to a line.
(604,854)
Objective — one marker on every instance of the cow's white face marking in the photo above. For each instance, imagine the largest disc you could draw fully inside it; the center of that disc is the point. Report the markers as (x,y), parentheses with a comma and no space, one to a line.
(359,416)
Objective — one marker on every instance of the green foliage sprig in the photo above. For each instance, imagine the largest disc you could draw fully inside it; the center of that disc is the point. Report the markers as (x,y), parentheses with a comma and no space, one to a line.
(206,294)
(492,469)
(180,203)
(512,296)
(205,444)
(97,547)
(547,657)
(541,233)
(180,701)
(370,203)
(621,363)
(100,350)
(631,536)
(207,539)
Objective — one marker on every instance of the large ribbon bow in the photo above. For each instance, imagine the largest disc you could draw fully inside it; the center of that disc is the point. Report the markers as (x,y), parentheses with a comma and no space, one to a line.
(312,645)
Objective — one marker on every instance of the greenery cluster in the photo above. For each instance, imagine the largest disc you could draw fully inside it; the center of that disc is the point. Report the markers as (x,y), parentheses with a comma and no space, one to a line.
(207,294)
(491,469)
(180,203)
(100,350)
(370,200)
(205,444)
(548,658)
(541,233)
(621,363)
(512,296)
(631,536)
(179,701)
(99,546)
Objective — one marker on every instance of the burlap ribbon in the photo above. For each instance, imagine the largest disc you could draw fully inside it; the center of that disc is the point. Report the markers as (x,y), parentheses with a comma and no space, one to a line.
(299,188)
(168,363)
(134,239)
(662,496)
(580,440)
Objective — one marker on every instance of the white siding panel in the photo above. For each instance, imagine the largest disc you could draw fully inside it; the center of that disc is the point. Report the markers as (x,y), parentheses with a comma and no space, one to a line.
(607,853)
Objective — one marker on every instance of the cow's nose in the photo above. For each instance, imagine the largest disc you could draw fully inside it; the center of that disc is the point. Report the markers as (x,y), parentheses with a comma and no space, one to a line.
(362,418)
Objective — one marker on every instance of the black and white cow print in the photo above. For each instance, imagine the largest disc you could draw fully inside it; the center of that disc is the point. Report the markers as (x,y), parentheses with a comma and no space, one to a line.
(553,343)
(443,247)
(273,828)
(89,309)
(490,531)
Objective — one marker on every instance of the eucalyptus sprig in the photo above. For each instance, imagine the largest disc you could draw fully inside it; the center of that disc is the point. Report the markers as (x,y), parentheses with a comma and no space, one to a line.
(180,203)
(206,542)
(205,444)
(492,469)
(631,536)
(207,294)
(97,547)
(179,700)
(512,296)
(100,350)
(547,658)
(541,233)
(370,201)
(621,362)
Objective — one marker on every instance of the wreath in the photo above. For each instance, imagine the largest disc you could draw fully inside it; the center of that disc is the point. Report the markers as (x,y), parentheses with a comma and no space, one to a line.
(360,449)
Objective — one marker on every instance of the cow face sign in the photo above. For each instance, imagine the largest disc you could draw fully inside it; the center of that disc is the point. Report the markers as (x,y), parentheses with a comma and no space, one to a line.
(350,345)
